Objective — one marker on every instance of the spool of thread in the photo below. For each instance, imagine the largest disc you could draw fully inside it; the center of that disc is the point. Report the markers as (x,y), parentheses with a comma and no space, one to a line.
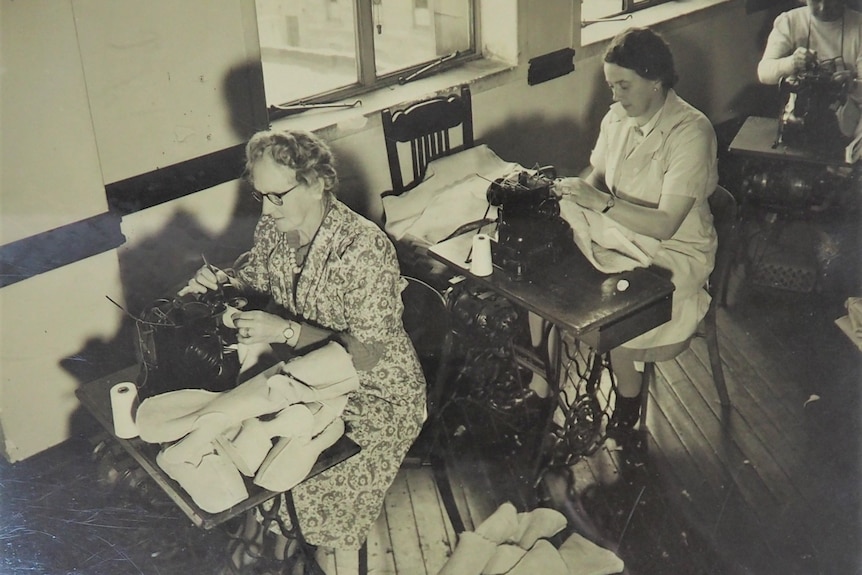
(480,264)
(124,404)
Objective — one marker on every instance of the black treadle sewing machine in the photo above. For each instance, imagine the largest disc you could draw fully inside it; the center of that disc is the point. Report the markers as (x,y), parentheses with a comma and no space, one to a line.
(810,100)
(530,232)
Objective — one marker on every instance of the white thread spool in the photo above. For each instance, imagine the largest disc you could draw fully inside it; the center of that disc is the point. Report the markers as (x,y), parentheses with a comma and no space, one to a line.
(480,264)
(124,403)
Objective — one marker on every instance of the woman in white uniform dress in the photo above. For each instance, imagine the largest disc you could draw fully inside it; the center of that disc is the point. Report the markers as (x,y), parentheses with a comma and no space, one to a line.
(652,170)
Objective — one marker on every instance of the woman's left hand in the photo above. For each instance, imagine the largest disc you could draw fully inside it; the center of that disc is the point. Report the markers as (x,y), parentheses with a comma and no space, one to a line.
(259,327)
(581,192)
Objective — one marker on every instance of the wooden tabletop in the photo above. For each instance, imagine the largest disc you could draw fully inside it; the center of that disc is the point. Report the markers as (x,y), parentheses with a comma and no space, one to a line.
(575,296)
(96,398)
(757,138)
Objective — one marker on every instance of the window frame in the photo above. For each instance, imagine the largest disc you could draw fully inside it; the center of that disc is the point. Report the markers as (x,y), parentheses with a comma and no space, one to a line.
(367,79)
(628,7)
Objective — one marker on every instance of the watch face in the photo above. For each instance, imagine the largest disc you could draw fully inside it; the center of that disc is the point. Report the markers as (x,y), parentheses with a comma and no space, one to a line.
(288,332)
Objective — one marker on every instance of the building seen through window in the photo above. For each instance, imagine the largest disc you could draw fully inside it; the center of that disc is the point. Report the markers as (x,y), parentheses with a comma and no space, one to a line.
(316,49)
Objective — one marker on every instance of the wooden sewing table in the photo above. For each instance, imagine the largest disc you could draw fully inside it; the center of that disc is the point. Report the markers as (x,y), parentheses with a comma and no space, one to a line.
(96,399)
(782,205)
(582,302)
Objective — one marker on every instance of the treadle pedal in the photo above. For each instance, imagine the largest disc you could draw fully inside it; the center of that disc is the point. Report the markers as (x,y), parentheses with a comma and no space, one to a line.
(530,359)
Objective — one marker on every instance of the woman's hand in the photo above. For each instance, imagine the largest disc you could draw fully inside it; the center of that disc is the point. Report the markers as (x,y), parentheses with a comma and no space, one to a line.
(261,327)
(582,192)
(803,58)
(205,279)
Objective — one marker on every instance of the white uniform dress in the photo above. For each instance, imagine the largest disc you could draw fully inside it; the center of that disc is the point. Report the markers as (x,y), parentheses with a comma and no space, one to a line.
(676,157)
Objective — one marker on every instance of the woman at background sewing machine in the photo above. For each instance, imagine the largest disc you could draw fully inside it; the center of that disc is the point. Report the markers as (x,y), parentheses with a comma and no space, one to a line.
(827,34)
(652,170)
(329,273)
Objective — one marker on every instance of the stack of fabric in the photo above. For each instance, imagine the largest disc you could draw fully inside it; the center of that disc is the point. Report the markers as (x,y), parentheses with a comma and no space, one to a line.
(211,440)
(518,544)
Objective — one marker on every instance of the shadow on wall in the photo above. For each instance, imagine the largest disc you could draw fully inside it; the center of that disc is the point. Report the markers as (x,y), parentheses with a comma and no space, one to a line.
(158,265)
(565,144)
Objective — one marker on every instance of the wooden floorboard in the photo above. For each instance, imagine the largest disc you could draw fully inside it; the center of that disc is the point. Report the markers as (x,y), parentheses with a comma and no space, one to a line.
(771,486)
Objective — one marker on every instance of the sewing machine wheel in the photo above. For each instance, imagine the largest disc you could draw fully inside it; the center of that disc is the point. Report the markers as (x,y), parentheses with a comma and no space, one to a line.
(581,433)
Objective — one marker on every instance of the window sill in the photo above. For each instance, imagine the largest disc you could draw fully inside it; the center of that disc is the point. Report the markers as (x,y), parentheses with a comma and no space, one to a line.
(332,123)
(595,36)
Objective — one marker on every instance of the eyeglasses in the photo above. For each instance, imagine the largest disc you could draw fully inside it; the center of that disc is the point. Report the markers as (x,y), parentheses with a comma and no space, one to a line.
(276,199)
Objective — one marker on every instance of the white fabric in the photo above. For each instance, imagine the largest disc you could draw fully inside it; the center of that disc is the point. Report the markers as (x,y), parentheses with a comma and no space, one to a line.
(610,247)
(678,157)
(514,543)
(292,458)
(583,557)
(453,193)
(213,483)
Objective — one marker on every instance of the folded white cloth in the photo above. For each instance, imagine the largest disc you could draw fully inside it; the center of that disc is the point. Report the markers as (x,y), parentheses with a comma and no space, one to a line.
(213,482)
(514,543)
(292,458)
(248,445)
(854,312)
(453,193)
(470,556)
(583,557)
(542,559)
(610,246)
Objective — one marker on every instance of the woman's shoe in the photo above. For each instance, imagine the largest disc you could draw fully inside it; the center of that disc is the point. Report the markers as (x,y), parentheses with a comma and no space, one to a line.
(624,418)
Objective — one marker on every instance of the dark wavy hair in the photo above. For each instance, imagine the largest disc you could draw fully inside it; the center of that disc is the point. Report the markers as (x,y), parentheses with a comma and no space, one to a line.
(645,52)
(297,149)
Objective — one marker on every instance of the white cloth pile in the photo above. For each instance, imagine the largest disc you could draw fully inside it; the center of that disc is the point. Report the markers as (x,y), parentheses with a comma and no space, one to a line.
(211,440)
(611,247)
(517,544)
(851,324)
(454,193)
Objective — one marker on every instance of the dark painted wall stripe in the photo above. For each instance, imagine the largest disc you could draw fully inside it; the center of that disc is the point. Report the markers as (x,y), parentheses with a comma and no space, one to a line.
(55,248)
(73,242)
(172,182)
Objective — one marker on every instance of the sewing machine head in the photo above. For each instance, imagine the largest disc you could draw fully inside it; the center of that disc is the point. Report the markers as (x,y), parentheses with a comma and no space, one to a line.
(811,99)
(183,343)
(530,232)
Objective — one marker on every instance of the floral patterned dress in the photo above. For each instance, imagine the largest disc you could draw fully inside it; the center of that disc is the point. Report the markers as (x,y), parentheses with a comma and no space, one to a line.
(350,283)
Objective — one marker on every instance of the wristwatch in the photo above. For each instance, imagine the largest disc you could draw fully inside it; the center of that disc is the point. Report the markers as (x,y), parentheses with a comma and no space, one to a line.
(610,204)
(288,332)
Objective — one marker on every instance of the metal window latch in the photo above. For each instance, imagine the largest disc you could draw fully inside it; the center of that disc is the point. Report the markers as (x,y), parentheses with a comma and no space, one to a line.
(303,106)
(421,71)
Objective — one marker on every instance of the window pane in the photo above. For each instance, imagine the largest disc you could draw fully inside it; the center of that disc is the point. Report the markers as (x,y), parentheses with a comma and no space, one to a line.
(308,47)
(411,32)
(592,10)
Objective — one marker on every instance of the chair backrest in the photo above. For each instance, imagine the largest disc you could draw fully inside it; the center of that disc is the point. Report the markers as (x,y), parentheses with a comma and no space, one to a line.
(427,126)
(723,206)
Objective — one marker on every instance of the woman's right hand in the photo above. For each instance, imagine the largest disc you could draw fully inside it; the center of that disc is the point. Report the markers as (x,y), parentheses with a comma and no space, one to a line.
(803,58)
(205,279)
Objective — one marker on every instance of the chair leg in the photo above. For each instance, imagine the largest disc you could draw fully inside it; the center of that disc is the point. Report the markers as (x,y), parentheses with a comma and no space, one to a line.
(363,559)
(715,357)
(648,379)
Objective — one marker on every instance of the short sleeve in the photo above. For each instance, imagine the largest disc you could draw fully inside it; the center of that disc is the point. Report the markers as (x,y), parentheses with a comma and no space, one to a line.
(691,161)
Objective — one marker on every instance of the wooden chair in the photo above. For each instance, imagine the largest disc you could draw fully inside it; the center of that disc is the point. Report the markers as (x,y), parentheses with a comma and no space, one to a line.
(428,127)
(426,320)
(723,206)
(416,135)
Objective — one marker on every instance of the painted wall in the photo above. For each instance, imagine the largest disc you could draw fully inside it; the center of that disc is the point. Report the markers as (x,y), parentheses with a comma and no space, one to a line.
(95,91)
